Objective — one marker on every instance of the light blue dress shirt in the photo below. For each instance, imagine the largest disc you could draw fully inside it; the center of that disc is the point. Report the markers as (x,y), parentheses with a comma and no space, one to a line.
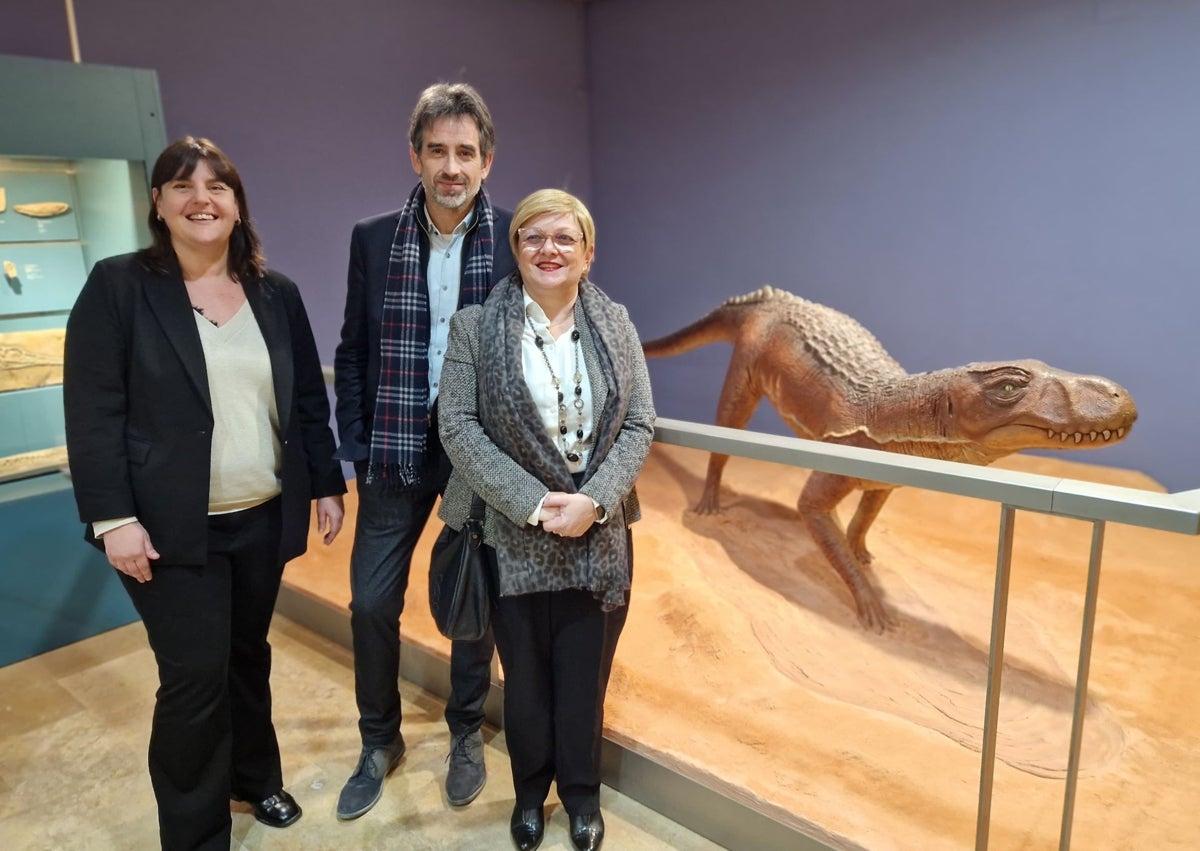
(443,277)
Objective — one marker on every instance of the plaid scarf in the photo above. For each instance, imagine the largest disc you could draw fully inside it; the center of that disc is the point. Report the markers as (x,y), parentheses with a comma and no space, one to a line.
(402,398)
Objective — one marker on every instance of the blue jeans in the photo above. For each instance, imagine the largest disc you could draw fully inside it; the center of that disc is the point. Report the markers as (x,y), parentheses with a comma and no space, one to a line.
(386,533)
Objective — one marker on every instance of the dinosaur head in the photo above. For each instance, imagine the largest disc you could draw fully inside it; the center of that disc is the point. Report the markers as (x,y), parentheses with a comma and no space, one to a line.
(1025,404)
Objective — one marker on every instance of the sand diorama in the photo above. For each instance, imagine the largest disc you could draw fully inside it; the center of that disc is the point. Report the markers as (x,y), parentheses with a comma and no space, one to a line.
(743,664)
(845,696)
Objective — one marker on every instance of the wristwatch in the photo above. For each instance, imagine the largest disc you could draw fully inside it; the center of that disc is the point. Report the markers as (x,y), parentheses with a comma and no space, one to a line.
(600,513)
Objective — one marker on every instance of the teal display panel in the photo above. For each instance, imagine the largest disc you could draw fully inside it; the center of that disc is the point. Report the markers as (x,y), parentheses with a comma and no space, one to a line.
(54,588)
(40,278)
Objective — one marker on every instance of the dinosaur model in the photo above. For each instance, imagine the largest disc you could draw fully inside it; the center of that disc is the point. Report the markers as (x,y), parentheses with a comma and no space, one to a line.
(831,380)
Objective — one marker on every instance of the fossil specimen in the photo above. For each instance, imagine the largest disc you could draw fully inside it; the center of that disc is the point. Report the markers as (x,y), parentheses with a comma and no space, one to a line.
(42,209)
(28,463)
(10,275)
(31,359)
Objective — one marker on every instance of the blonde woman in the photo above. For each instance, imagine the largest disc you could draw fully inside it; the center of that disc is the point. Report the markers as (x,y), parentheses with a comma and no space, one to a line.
(546,414)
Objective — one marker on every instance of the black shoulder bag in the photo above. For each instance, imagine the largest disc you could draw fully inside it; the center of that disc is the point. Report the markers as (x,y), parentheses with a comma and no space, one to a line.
(459,597)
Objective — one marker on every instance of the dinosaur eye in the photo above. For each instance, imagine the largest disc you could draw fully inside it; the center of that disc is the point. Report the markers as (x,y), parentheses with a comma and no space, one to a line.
(1006,390)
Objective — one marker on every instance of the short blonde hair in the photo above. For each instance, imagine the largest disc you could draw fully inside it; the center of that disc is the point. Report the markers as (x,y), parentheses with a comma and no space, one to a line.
(553,202)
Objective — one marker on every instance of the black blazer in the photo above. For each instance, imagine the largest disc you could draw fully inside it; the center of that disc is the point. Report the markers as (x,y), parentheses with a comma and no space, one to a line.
(356,362)
(138,416)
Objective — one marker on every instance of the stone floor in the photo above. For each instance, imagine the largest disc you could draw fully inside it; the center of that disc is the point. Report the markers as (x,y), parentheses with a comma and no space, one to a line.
(74,725)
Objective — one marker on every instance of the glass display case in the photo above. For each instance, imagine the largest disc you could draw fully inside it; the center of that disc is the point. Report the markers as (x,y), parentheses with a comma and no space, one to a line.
(75,147)
(57,217)
(76,142)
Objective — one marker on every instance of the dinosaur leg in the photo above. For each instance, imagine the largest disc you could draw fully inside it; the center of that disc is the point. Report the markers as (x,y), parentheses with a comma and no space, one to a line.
(710,500)
(739,398)
(819,498)
(868,509)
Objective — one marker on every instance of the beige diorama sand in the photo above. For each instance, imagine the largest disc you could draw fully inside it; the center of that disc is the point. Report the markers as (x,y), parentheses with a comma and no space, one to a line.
(743,665)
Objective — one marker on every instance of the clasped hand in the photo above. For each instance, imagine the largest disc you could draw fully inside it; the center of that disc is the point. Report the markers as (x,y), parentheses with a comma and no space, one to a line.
(567,514)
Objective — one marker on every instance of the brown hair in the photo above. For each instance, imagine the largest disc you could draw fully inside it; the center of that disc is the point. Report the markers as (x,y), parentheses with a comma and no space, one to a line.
(451,100)
(179,159)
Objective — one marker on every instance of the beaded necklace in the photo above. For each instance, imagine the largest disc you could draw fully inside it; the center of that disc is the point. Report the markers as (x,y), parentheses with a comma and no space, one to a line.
(573,452)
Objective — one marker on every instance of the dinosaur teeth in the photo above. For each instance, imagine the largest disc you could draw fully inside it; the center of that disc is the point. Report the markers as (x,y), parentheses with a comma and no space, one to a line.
(1078,436)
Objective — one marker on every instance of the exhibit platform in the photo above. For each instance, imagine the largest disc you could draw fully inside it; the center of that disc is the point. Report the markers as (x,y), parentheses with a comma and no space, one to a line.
(749,705)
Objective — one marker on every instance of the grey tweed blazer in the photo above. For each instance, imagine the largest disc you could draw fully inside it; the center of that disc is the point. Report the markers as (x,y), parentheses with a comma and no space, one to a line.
(511,492)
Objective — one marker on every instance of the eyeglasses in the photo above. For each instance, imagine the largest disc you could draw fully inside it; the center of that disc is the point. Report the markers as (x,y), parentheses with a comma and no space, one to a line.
(533,240)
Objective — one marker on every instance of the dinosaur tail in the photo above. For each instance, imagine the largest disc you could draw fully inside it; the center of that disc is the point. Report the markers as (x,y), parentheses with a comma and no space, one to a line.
(713,328)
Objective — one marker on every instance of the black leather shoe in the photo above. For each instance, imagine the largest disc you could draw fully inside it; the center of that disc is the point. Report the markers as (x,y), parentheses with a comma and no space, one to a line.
(587,831)
(278,810)
(527,828)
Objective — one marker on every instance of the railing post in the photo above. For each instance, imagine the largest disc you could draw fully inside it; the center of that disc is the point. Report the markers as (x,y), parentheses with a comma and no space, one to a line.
(1081,681)
(991,715)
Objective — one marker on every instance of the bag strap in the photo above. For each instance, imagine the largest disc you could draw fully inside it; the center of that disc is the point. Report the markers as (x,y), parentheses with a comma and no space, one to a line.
(477,508)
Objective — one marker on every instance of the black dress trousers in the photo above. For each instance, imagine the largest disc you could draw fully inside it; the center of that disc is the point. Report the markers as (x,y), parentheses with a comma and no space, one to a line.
(212,734)
(557,650)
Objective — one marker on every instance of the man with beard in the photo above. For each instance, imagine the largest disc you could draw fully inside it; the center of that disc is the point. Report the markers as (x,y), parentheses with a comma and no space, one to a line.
(409,271)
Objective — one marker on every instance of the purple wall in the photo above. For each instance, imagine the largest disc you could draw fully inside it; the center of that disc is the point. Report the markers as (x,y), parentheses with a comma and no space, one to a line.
(972,181)
(311,100)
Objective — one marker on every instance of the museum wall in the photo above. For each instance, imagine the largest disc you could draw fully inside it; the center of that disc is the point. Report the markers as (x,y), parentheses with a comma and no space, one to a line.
(971,181)
(311,100)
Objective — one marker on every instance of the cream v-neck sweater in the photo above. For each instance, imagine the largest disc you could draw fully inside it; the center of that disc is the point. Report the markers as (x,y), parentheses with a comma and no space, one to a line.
(246,452)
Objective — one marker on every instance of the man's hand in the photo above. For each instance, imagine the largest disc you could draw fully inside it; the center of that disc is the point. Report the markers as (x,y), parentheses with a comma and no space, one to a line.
(330,513)
(129,550)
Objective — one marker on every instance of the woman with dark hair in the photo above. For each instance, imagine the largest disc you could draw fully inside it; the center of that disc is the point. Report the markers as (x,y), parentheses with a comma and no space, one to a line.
(547,415)
(198,437)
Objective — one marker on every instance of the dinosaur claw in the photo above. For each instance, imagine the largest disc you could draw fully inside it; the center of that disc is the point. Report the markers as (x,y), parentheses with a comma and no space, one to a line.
(877,624)
(708,504)
(873,616)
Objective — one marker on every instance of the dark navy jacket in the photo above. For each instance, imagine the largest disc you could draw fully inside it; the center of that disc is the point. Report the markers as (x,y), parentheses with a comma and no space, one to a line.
(357,360)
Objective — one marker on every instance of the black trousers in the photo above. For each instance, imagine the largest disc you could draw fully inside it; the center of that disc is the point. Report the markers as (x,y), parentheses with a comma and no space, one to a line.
(557,650)
(387,528)
(212,734)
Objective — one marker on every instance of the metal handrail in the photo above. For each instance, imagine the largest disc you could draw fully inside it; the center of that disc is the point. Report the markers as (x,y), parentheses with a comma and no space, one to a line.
(1178,512)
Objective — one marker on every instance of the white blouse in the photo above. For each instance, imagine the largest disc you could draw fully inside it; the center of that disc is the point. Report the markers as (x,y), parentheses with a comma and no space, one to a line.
(561,359)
